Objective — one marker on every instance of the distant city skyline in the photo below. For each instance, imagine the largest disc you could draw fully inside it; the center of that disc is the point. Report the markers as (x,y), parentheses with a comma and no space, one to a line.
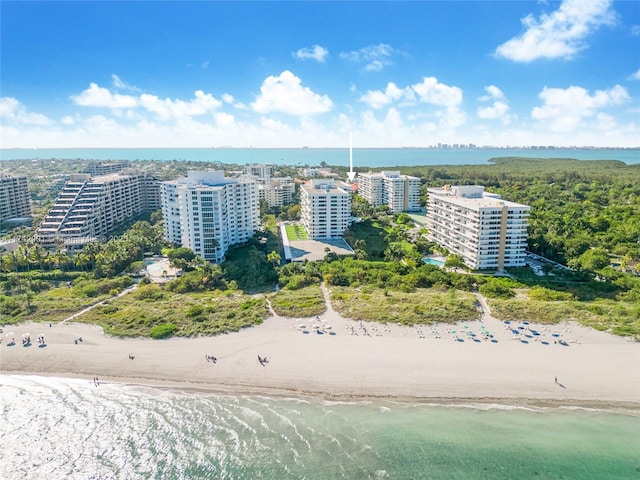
(293,74)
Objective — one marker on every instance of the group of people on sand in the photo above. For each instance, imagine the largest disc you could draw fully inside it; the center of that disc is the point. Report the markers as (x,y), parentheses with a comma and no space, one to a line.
(263,360)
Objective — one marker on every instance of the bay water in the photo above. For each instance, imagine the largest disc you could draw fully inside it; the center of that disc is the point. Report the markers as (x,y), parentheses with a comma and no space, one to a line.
(56,428)
(369,157)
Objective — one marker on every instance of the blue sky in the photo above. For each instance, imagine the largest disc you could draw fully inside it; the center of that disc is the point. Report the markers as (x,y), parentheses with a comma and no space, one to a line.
(288,74)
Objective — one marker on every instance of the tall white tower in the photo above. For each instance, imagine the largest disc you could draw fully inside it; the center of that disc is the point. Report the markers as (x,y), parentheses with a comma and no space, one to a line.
(351,173)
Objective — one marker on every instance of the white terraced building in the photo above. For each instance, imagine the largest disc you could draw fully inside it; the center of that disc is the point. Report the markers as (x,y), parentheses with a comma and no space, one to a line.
(14,198)
(89,208)
(325,209)
(401,193)
(485,230)
(208,212)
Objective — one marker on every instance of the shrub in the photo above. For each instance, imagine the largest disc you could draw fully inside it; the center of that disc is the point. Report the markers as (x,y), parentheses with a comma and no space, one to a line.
(149,292)
(541,293)
(194,310)
(495,290)
(163,331)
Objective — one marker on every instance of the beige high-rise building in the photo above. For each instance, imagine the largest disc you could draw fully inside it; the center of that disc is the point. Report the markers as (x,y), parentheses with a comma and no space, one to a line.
(89,208)
(277,192)
(485,230)
(15,202)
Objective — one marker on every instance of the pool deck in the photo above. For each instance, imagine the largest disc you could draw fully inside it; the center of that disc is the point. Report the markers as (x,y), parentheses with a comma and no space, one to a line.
(312,250)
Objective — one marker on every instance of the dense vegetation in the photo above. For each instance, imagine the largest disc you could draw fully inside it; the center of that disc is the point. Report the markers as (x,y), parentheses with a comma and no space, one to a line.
(584,214)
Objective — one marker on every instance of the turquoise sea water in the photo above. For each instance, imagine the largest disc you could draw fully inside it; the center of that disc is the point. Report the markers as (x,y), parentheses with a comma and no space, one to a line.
(70,429)
(371,157)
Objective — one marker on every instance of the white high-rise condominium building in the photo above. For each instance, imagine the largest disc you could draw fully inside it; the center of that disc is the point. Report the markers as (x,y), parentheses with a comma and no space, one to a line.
(89,208)
(401,193)
(325,208)
(208,212)
(486,231)
(14,198)
(258,170)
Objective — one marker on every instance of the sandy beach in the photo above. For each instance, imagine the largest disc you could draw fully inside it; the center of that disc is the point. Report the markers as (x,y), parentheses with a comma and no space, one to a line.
(481,360)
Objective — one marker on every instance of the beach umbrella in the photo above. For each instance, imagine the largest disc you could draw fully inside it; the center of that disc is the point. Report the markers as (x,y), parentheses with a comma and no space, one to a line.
(507,322)
(525,323)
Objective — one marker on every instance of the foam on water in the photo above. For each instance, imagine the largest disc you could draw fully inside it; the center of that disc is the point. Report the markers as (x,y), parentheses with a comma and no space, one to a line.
(70,429)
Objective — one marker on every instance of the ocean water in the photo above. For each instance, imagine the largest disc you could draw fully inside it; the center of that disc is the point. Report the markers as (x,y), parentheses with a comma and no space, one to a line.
(54,428)
(370,157)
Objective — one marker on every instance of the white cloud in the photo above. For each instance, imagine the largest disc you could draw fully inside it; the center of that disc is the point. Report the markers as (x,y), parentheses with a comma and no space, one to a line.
(428,91)
(316,52)
(15,113)
(565,109)
(67,120)
(636,75)
(436,93)
(204,65)
(286,94)
(166,109)
(96,96)
(493,93)
(378,99)
(499,109)
(375,57)
(120,84)
(560,34)
(447,100)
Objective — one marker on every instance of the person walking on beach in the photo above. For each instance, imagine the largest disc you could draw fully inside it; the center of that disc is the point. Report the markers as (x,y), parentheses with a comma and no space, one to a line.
(556,380)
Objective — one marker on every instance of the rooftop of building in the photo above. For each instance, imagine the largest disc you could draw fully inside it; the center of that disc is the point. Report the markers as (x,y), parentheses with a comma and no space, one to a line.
(472,196)
(386,174)
(319,186)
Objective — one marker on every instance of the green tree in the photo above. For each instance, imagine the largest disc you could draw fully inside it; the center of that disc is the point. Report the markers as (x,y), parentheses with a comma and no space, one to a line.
(593,260)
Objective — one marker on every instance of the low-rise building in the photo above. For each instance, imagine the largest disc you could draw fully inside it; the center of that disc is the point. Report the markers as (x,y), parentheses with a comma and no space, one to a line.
(105,168)
(485,230)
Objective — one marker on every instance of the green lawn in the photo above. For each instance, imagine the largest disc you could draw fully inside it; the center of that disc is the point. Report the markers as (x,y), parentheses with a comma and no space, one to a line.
(296,232)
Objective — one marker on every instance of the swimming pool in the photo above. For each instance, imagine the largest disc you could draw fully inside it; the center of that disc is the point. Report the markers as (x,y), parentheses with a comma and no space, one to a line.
(433,261)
